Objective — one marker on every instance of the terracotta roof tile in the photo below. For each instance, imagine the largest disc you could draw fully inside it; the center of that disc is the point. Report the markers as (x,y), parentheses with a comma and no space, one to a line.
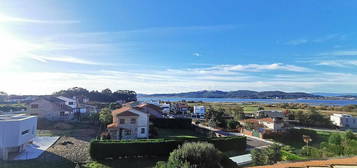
(120,110)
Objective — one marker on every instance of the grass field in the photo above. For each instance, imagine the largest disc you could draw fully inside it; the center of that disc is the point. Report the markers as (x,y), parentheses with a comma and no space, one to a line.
(178,133)
(251,108)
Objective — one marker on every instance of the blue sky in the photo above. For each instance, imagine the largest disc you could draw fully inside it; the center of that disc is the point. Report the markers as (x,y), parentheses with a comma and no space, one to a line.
(166,46)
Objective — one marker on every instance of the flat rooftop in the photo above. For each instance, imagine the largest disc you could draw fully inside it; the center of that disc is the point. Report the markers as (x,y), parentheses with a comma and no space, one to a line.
(14,117)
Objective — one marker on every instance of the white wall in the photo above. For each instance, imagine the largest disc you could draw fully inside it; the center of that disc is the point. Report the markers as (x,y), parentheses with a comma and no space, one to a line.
(199,110)
(344,121)
(142,122)
(11,131)
(68,100)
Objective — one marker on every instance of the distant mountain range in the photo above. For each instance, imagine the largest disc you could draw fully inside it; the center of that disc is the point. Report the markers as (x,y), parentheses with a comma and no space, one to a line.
(242,94)
(335,94)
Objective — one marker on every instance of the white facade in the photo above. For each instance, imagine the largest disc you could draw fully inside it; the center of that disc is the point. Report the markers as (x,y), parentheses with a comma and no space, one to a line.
(200,110)
(69,102)
(344,120)
(16,131)
(166,108)
(130,124)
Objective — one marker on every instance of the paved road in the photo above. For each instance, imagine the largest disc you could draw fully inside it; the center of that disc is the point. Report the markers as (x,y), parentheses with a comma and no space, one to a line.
(252,142)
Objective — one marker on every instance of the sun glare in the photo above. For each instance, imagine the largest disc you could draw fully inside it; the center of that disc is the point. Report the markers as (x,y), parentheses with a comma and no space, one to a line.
(12,48)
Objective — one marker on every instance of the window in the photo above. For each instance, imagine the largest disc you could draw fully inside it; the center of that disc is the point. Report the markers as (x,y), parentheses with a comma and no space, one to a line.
(122,121)
(133,121)
(70,103)
(34,106)
(25,132)
(127,132)
(142,130)
(62,113)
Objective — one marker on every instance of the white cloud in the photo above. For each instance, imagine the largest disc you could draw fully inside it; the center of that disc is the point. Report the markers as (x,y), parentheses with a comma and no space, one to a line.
(339,63)
(67,59)
(341,53)
(325,38)
(159,82)
(297,42)
(4,18)
(259,67)
(196,54)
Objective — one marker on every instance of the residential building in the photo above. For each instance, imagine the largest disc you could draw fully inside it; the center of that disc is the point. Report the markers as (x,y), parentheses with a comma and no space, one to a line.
(153,110)
(16,131)
(270,114)
(165,107)
(199,110)
(69,102)
(271,124)
(129,123)
(181,108)
(344,120)
(51,108)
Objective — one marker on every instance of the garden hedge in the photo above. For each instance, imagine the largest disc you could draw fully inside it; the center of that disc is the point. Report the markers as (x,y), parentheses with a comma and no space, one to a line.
(100,150)
(172,123)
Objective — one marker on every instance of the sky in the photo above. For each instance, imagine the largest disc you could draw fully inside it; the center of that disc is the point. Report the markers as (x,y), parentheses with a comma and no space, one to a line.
(167,46)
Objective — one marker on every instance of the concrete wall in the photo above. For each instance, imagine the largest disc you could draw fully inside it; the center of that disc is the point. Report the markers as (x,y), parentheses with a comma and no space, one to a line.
(15,133)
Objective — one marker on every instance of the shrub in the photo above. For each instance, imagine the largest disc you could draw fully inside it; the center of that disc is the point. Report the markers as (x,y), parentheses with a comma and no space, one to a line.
(286,155)
(269,155)
(232,124)
(100,150)
(197,154)
(172,123)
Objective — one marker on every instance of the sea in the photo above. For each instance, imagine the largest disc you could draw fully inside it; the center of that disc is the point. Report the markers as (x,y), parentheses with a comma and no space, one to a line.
(266,101)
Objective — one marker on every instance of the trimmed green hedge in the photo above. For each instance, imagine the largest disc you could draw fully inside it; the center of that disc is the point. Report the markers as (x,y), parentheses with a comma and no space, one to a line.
(172,123)
(100,150)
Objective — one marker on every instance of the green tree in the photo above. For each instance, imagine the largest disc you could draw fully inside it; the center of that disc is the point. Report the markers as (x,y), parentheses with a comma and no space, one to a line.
(196,154)
(114,106)
(269,155)
(232,124)
(237,112)
(215,117)
(105,116)
(335,139)
(349,135)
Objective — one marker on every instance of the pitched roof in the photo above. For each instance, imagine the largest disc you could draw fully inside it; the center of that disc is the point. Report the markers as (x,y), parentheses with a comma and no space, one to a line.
(127,113)
(152,106)
(120,110)
(52,99)
(340,161)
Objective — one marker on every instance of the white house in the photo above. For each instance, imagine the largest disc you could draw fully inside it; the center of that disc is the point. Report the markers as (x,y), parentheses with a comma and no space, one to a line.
(199,110)
(273,124)
(69,102)
(129,123)
(344,120)
(166,108)
(16,131)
